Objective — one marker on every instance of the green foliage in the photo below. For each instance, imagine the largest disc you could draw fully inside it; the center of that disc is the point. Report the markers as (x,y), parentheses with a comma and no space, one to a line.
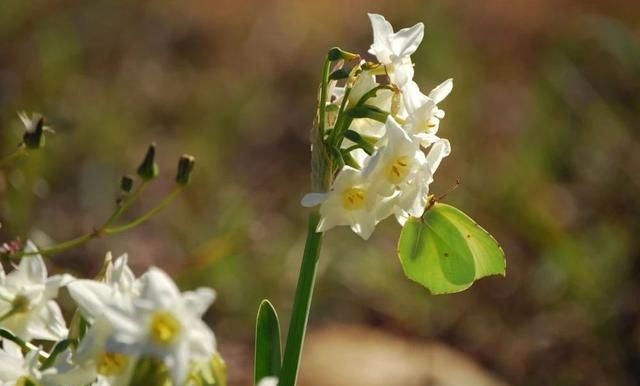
(268,354)
(6,334)
(446,251)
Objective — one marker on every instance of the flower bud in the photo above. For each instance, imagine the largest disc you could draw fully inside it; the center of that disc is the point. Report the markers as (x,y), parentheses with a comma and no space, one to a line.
(185,168)
(337,53)
(126,184)
(342,73)
(148,169)
(33,137)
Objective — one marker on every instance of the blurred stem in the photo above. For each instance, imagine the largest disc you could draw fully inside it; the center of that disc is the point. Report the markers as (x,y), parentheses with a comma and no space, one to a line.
(106,228)
(322,109)
(123,206)
(147,216)
(302,303)
(20,151)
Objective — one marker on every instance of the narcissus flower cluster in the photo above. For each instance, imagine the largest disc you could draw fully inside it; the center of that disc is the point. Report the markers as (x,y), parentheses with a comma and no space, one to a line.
(391,148)
(126,328)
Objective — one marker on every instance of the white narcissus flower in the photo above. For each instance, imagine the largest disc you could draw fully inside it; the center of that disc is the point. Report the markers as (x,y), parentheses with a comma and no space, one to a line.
(394,49)
(396,163)
(412,199)
(64,372)
(27,307)
(163,323)
(15,367)
(350,201)
(423,114)
(113,368)
(92,296)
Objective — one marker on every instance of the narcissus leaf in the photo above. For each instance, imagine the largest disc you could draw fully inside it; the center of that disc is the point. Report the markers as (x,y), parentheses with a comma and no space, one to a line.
(268,355)
(446,251)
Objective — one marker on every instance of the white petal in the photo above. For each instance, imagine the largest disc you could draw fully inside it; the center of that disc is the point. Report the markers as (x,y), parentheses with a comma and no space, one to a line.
(414,99)
(121,273)
(198,301)
(402,73)
(25,119)
(406,41)
(48,323)
(437,152)
(202,342)
(33,266)
(268,381)
(178,363)
(441,91)
(91,296)
(313,199)
(11,348)
(364,223)
(159,288)
(382,32)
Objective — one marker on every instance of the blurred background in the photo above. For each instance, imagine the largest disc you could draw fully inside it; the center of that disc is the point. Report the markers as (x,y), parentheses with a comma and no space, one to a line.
(543,121)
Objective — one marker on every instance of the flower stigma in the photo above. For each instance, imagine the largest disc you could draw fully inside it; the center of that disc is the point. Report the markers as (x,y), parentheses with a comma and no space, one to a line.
(165,328)
(398,169)
(354,198)
(20,304)
(112,364)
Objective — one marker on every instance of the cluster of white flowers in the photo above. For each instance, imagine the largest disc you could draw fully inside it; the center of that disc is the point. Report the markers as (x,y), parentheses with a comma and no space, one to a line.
(124,325)
(394,178)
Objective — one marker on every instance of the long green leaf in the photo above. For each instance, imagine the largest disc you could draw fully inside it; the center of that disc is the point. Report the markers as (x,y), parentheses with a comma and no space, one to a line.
(446,251)
(268,355)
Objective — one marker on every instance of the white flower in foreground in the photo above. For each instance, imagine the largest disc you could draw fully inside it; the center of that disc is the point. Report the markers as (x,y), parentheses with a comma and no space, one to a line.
(15,368)
(413,198)
(64,372)
(396,163)
(268,381)
(26,305)
(163,323)
(394,49)
(423,113)
(119,287)
(92,296)
(350,201)
(112,368)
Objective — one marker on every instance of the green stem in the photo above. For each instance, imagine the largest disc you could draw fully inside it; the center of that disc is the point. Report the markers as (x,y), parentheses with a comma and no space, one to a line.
(20,151)
(123,206)
(322,109)
(78,241)
(105,229)
(301,304)
(145,217)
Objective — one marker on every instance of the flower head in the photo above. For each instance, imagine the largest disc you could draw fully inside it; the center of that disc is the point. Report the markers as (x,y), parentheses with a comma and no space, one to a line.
(423,114)
(163,323)
(27,307)
(394,49)
(350,201)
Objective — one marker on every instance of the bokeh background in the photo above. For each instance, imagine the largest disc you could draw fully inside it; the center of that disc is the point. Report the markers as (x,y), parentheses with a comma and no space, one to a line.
(544,126)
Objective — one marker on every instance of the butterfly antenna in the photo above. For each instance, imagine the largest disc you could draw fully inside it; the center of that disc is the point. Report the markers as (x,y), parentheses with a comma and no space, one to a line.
(451,189)
(433,199)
